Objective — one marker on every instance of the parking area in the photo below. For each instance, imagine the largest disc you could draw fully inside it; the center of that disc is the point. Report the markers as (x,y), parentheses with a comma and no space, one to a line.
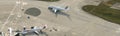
(80,23)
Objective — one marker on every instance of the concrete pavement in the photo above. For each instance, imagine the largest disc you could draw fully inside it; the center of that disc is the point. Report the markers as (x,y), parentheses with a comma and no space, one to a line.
(80,23)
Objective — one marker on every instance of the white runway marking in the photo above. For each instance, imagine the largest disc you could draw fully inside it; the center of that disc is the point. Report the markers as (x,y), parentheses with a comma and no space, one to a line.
(11,12)
(8,17)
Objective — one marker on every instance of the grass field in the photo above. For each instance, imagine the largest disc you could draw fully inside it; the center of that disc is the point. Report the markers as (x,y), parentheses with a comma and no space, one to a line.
(104,11)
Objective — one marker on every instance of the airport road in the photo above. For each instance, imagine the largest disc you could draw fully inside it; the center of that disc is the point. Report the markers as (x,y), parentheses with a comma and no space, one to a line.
(80,23)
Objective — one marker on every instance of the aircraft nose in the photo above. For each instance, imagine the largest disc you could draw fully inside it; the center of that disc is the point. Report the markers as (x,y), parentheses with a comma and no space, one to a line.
(49,8)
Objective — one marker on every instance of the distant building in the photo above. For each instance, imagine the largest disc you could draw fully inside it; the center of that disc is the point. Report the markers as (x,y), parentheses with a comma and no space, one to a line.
(105,0)
(2,34)
(116,6)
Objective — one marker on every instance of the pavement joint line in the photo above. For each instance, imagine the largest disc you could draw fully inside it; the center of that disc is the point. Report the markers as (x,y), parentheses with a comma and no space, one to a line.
(8,17)
(11,12)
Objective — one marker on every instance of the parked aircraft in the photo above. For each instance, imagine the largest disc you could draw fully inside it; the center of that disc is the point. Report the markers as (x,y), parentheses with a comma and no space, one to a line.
(56,9)
(34,30)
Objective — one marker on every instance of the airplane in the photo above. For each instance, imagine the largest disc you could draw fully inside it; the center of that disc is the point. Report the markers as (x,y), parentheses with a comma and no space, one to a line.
(34,30)
(56,9)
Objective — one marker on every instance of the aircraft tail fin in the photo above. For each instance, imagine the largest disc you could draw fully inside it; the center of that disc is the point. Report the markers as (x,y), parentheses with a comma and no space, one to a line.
(66,7)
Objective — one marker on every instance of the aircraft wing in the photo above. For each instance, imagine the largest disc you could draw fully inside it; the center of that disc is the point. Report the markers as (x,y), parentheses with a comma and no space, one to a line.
(23,32)
(54,10)
(36,32)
